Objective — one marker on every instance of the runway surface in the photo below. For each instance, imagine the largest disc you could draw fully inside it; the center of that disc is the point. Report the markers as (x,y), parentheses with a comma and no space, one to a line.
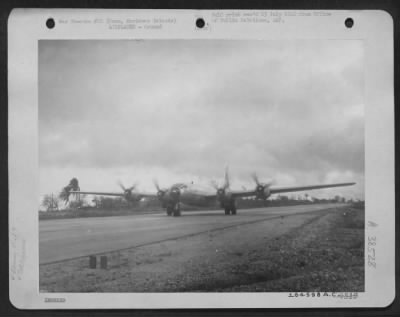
(63,239)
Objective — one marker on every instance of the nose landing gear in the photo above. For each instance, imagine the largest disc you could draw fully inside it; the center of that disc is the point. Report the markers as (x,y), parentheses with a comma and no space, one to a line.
(174,210)
(170,210)
(177,210)
(231,209)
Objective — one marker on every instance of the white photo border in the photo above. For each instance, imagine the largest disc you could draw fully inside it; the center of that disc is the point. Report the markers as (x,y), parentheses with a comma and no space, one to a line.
(27,26)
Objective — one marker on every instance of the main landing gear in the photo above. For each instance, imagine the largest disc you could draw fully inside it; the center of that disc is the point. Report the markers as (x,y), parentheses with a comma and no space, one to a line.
(174,210)
(169,210)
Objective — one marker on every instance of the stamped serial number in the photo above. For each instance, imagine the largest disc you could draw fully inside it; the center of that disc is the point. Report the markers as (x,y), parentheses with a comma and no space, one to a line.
(345,295)
(371,252)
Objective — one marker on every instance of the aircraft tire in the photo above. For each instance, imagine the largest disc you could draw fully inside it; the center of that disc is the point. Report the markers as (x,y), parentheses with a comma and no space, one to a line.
(169,211)
(233,210)
(226,211)
(177,211)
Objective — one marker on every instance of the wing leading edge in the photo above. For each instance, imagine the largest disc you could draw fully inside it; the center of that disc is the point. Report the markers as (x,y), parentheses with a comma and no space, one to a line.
(96,193)
(236,194)
(111,194)
(278,190)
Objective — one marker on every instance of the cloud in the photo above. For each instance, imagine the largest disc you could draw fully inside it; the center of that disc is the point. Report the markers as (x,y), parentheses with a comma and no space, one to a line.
(292,110)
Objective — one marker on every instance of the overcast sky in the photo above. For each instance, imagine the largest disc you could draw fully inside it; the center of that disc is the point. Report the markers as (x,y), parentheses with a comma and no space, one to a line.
(181,110)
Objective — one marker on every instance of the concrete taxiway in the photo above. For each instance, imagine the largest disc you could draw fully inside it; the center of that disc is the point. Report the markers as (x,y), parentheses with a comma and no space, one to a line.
(64,239)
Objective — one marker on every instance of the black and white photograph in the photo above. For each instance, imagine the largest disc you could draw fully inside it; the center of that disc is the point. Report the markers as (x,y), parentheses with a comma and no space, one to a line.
(201,166)
(201,159)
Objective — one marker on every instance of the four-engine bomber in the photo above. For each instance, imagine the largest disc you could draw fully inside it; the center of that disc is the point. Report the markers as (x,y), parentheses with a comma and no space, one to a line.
(171,198)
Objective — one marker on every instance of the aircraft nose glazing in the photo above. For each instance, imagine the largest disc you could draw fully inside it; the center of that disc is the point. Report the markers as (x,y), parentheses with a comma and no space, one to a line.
(175,192)
(160,194)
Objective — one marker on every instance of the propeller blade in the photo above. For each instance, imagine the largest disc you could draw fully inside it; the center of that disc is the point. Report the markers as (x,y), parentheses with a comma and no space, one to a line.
(132,187)
(226,185)
(66,200)
(258,183)
(155,182)
(121,185)
(255,178)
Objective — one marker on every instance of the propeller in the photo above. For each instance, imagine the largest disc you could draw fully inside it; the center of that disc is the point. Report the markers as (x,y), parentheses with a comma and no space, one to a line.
(222,190)
(64,195)
(258,183)
(262,189)
(127,190)
(121,185)
(160,192)
(255,178)
(155,182)
(73,185)
(226,176)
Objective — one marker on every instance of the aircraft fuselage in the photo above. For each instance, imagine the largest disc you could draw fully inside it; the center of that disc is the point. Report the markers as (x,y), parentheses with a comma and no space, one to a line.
(188,195)
(191,195)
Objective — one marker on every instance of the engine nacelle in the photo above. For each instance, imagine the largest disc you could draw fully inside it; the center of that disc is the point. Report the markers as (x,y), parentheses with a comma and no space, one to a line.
(262,192)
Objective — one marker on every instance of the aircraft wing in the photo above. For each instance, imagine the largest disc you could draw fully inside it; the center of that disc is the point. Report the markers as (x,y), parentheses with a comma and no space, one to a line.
(244,193)
(96,193)
(277,190)
(112,194)
(145,195)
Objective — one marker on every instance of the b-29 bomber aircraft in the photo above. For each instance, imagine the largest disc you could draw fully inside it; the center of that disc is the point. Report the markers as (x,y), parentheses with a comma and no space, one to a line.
(171,198)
